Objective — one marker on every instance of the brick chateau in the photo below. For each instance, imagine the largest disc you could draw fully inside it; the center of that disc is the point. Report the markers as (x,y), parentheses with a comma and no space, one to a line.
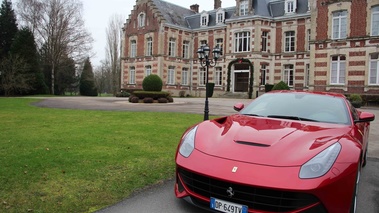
(321,45)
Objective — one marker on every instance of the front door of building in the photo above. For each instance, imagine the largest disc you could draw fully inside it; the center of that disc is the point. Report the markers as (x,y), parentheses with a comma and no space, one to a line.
(241,82)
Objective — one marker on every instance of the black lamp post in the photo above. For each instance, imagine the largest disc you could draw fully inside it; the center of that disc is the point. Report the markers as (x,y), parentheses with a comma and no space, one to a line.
(205,62)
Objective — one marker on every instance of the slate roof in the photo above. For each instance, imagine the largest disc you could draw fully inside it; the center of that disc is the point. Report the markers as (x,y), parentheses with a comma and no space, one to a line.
(174,14)
(194,20)
(276,7)
(186,18)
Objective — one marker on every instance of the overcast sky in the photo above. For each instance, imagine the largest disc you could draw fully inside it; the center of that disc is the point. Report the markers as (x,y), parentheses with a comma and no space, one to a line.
(97,14)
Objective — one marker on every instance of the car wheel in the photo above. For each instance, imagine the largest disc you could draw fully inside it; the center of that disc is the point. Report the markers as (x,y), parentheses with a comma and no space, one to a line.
(353,206)
(365,159)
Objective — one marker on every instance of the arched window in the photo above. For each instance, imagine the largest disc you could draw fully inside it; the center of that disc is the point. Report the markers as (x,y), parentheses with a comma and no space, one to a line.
(141,20)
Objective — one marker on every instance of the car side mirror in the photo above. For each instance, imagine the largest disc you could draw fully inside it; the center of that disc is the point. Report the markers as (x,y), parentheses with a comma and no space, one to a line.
(365,117)
(238,107)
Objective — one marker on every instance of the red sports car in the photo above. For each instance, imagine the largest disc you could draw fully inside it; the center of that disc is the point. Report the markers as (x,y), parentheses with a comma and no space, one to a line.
(287,151)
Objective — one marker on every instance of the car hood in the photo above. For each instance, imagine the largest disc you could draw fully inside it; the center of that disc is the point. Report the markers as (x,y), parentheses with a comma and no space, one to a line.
(266,141)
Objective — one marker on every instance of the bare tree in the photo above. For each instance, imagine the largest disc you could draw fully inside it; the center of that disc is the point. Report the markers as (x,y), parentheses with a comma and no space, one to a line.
(103,78)
(59,30)
(114,33)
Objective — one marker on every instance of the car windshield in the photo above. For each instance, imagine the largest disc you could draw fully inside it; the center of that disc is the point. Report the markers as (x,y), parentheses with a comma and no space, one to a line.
(300,106)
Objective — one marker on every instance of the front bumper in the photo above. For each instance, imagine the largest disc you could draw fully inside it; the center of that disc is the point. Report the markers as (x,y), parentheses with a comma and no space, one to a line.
(263,188)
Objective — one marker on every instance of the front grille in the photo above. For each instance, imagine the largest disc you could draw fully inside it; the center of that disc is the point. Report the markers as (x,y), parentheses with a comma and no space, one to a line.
(254,197)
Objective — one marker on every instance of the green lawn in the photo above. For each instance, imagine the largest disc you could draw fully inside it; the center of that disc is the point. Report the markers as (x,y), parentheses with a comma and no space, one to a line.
(56,160)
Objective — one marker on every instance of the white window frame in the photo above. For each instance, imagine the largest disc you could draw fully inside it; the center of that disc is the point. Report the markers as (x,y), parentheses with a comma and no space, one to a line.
(220,43)
(141,19)
(132,75)
(375,21)
(242,42)
(306,75)
(185,76)
(264,41)
(171,47)
(288,74)
(290,6)
(202,76)
(220,17)
(147,70)
(186,49)
(263,74)
(133,48)
(244,7)
(171,76)
(289,41)
(309,39)
(218,76)
(339,26)
(204,19)
(373,78)
(149,51)
(338,70)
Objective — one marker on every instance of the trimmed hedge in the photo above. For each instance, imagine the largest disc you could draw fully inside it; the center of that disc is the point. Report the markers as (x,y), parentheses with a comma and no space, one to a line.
(130,90)
(370,99)
(122,94)
(149,94)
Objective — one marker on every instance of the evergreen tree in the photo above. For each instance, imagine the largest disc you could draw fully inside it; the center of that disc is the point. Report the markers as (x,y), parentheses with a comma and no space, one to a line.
(65,77)
(8,28)
(24,46)
(87,81)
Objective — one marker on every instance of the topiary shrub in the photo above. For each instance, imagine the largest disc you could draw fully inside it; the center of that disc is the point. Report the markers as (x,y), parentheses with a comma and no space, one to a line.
(148,100)
(281,86)
(268,87)
(134,99)
(152,83)
(356,100)
(162,100)
(170,99)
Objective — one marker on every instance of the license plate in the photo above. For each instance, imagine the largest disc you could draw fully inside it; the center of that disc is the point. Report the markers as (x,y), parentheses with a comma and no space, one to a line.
(227,207)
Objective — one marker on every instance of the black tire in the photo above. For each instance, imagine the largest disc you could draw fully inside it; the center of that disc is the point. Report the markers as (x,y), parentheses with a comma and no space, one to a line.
(354,200)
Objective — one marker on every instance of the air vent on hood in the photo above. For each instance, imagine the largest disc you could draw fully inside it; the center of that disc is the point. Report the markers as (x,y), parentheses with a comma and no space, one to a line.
(252,144)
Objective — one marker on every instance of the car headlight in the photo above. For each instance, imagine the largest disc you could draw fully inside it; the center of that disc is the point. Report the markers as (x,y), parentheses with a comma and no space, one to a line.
(188,143)
(321,163)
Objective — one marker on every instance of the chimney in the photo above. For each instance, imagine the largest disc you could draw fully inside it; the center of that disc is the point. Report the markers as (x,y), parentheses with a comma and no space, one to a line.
(195,8)
(217,4)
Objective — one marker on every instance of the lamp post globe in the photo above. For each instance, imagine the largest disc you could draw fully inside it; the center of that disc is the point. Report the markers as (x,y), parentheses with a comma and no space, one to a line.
(206,62)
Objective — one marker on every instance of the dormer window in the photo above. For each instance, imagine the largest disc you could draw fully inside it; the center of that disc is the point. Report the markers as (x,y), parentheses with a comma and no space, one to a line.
(141,20)
(220,16)
(290,6)
(244,7)
(204,19)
